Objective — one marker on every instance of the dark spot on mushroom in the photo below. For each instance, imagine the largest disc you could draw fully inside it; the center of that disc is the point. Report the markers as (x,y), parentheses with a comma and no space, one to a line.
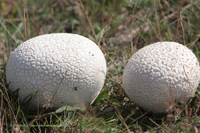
(61,102)
(90,53)
(75,88)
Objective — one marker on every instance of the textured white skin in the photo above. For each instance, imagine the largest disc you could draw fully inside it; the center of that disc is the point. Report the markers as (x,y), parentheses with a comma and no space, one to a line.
(42,63)
(161,73)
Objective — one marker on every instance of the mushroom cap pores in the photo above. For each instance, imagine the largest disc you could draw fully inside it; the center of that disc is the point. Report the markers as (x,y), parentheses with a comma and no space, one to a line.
(62,69)
(160,74)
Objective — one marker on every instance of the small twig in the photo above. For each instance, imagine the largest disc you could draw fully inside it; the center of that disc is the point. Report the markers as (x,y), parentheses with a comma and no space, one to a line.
(24,19)
(187,77)
(8,1)
(9,103)
(192,43)
(197,6)
(138,118)
(157,34)
(58,86)
(179,19)
(168,5)
(34,18)
(1,117)
(121,118)
(158,22)
(140,34)
(88,19)
(187,117)
(181,22)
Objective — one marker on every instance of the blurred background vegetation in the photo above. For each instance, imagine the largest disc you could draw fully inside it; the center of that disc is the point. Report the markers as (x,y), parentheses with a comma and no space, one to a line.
(119,28)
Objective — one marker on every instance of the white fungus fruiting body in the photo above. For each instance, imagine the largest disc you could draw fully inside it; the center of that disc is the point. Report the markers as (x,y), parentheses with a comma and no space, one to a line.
(160,74)
(68,68)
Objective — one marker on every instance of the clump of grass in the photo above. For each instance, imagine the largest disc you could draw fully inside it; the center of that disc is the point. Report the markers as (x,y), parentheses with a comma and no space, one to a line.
(119,28)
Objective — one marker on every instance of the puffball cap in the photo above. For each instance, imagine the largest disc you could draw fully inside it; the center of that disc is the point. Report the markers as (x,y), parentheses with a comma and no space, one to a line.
(161,73)
(68,68)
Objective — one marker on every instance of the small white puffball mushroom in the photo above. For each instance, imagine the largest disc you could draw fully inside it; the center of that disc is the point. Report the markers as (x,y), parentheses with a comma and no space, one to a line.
(161,74)
(62,69)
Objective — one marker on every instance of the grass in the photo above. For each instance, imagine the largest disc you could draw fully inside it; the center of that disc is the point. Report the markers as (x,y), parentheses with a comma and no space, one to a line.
(120,28)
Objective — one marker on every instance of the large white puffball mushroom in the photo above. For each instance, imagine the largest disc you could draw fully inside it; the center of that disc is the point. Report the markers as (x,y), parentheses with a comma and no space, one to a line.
(62,69)
(160,74)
